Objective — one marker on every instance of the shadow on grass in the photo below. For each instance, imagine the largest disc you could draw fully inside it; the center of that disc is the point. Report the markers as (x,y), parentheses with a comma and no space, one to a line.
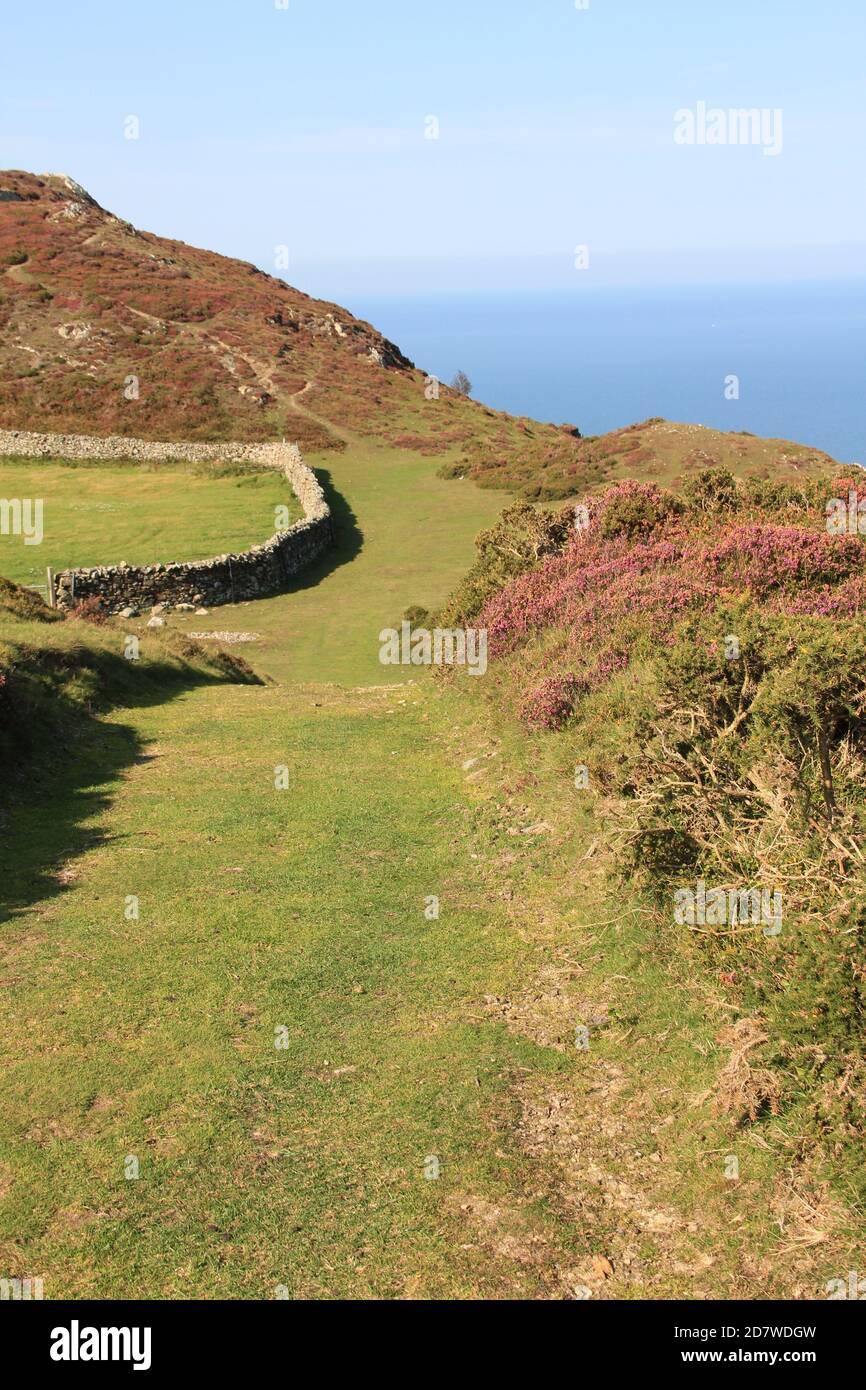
(58,764)
(348,539)
(59,760)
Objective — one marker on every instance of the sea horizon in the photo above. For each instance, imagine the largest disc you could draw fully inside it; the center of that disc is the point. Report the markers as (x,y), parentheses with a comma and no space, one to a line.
(601,357)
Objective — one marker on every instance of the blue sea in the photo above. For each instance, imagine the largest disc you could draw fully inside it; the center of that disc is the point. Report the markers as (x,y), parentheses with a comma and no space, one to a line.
(600,358)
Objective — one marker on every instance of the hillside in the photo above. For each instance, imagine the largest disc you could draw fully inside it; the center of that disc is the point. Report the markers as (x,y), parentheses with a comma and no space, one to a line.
(220,350)
(664,451)
(246,1058)
(690,669)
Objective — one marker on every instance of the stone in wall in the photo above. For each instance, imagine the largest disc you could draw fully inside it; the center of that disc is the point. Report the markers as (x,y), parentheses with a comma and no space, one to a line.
(254,573)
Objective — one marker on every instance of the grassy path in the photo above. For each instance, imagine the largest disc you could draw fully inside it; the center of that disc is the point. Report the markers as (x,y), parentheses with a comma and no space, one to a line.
(260,910)
(267,916)
(284,1076)
(404,538)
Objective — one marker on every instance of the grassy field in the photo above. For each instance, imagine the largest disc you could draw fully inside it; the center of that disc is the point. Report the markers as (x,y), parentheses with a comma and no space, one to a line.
(404,537)
(284,1074)
(99,514)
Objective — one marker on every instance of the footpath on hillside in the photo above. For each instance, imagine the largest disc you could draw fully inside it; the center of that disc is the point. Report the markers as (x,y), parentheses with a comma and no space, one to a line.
(335,1053)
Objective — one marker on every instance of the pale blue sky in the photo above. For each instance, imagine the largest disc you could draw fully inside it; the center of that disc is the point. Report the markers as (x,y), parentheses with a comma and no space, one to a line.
(304,126)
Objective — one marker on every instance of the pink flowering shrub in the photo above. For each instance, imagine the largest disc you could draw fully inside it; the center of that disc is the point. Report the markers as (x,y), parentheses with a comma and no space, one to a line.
(551,703)
(840,487)
(640,566)
(734,752)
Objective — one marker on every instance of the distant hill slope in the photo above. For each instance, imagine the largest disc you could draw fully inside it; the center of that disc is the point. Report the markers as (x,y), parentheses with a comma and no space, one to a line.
(219,350)
(662,451)
(217,346)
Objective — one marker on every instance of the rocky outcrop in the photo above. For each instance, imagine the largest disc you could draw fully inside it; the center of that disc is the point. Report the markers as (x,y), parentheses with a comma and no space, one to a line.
(254,573)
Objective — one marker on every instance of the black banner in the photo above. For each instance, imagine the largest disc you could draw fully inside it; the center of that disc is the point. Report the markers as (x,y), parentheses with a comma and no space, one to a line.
(139,1339)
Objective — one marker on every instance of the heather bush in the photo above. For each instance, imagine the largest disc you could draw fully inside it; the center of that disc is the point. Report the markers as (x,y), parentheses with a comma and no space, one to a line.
(596,584)
(90,610)
(552,702)
(18,602)
(522,537)
(711,664)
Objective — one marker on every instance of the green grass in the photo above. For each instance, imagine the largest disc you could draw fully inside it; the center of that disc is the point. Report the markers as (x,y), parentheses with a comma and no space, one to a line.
(259,909)
(404,538)
(102,514)
(303,909)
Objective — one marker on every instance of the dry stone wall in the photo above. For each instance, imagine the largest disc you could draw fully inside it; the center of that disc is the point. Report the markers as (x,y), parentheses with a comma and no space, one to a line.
(254,573)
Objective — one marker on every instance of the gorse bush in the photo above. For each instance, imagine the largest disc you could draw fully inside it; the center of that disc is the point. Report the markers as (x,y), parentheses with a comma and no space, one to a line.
(742,738)
(637,509)
(521,538)
(752,771)
(712,490)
